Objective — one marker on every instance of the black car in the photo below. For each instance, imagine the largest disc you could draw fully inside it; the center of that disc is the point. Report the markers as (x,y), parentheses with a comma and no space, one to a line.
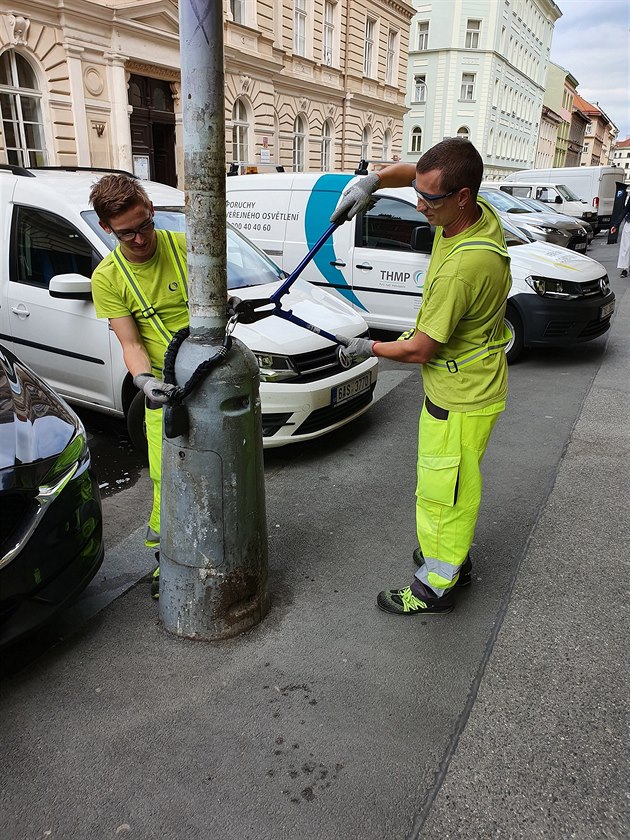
(51,534)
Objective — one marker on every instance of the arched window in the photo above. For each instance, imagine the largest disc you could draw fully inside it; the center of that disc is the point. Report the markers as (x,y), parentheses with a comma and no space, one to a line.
(21,111)
(240,132)
(387,144)
(416,139)
(326,143)
(463,131)
(365,144)
(299,142)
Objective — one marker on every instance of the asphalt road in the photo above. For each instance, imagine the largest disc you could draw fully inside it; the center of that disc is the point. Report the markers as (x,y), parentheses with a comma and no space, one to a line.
(331,720)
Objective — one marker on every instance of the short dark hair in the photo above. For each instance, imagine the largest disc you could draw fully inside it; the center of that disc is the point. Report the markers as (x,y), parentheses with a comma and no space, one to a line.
(114,194)
(459,163)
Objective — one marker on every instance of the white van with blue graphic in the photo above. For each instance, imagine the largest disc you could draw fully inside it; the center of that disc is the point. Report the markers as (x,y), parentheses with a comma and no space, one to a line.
(558,297)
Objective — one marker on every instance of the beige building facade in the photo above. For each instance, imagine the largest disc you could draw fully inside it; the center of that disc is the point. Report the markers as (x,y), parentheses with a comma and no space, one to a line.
(309,84)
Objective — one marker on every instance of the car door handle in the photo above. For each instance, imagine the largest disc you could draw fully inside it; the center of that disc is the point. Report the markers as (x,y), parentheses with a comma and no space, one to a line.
(365,266)
(21,311)
(338,263)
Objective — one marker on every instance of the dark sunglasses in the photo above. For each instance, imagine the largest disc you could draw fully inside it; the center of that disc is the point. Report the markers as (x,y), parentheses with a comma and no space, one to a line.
(430,200)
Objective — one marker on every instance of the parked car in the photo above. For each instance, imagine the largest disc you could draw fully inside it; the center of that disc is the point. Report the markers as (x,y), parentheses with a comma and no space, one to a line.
(558,297)
(541,207)
(51,535)
(545,227)
(46,312)
(587,192)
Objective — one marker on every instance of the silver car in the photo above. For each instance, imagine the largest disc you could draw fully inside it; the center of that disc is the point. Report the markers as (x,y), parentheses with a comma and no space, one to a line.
(545,227)
(540,207)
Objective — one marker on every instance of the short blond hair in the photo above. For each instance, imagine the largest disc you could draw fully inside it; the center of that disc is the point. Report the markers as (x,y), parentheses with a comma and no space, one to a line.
(116,193)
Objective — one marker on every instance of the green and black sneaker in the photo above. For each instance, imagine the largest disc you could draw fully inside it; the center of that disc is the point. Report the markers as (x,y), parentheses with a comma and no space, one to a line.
(404,602)
(465,573)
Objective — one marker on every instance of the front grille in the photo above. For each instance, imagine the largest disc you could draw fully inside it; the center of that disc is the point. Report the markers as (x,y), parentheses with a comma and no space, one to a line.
(331,414)
(318,363)
(592,287)
(15,507)
(559,329)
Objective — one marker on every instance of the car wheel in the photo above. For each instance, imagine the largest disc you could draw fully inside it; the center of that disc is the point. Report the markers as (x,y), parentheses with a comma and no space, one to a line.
(136,428)
(515,347)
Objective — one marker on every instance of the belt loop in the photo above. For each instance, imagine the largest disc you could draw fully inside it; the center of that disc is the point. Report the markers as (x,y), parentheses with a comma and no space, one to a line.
(451,366)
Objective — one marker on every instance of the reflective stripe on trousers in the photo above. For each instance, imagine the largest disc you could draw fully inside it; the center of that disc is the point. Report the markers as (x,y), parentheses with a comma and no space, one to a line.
(448,491)
(153,420)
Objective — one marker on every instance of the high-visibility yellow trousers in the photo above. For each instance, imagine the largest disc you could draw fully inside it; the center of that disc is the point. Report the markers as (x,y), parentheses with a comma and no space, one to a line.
(153,420)
(448,491)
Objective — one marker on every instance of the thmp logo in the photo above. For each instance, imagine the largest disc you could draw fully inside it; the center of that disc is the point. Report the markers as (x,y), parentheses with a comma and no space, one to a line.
(418,279)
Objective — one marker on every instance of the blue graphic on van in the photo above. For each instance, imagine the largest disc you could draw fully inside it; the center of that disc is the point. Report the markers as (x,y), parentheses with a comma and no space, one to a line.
(321,203)
(418,278)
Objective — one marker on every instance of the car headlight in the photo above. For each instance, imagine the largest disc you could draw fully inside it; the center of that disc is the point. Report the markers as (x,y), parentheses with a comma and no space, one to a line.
(73,456)
(274,368)
(547,287)
(543,229)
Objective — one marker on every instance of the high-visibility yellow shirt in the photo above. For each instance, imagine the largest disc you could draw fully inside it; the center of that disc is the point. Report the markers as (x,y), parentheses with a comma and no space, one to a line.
(463,307)
(161,287)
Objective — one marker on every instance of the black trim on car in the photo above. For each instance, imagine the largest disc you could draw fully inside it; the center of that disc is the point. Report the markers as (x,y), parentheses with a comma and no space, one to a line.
(50,349)
(344,287)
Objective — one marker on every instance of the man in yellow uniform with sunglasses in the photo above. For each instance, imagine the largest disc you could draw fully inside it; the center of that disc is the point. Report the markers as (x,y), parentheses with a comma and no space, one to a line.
(459,339)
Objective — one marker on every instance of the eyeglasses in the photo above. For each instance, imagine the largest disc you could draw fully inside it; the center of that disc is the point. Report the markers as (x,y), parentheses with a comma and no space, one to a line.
(433,201)
(130,235)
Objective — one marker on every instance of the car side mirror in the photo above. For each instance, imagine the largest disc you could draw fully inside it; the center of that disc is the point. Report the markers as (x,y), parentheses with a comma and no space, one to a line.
(558,199)
(70,287)
(422,239)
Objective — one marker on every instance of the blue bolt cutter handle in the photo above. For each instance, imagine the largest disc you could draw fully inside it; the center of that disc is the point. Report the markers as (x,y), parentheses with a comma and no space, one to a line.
(284,288)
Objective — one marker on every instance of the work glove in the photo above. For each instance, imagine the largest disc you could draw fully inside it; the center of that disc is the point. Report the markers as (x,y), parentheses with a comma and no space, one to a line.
(356,198)
(355,349)
(155,389)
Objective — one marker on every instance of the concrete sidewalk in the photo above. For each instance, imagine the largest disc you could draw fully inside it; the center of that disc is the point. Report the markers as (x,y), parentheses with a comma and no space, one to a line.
(334,721)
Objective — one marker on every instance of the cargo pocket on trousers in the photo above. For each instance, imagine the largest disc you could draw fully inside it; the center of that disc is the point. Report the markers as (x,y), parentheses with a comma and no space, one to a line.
(438,478)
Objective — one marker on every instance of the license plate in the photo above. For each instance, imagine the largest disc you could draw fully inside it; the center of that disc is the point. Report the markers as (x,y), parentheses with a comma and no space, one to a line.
(606,310)
(581,246)
(345,392)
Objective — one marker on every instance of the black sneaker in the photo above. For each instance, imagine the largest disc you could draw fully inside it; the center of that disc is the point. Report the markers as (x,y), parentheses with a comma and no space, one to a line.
(404,602)
(155,580)
(465,573)
(624,273)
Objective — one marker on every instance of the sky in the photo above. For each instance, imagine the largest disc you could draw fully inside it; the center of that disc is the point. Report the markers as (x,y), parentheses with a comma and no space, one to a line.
(592,41)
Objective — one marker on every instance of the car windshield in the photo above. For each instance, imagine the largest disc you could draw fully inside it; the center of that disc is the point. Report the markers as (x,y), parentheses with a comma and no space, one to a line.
(502,201)
(565,192)
(246,264)
(539,206)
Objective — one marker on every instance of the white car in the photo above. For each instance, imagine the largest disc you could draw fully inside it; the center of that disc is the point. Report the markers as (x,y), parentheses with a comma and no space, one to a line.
(47,316)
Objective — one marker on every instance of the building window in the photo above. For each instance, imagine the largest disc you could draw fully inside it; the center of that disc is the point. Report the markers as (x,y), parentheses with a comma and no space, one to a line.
(419,88)
(368,55)
(416,140)
(237,7)
(324,164)
(423,35)
(240,132)
(328,34)
(299,142)
(365,144)
(463,131)
(392,39)
(299,27)
(473,28)
(387,144)
(467,92)
(21,112)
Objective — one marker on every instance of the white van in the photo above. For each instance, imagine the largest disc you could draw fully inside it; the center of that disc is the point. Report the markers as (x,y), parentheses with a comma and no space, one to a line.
(594,185)
(51,243)
(558,297)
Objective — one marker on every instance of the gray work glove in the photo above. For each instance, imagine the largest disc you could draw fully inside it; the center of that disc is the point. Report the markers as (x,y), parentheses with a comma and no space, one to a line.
(355,349)
(155,389)
(356,198)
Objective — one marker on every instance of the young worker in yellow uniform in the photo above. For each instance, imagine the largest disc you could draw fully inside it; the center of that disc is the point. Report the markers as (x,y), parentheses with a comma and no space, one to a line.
(460,341)
(141,287)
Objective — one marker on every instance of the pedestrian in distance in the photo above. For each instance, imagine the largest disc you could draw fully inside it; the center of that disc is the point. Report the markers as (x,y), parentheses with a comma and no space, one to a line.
(459,340)
(623,218)
(141,288)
